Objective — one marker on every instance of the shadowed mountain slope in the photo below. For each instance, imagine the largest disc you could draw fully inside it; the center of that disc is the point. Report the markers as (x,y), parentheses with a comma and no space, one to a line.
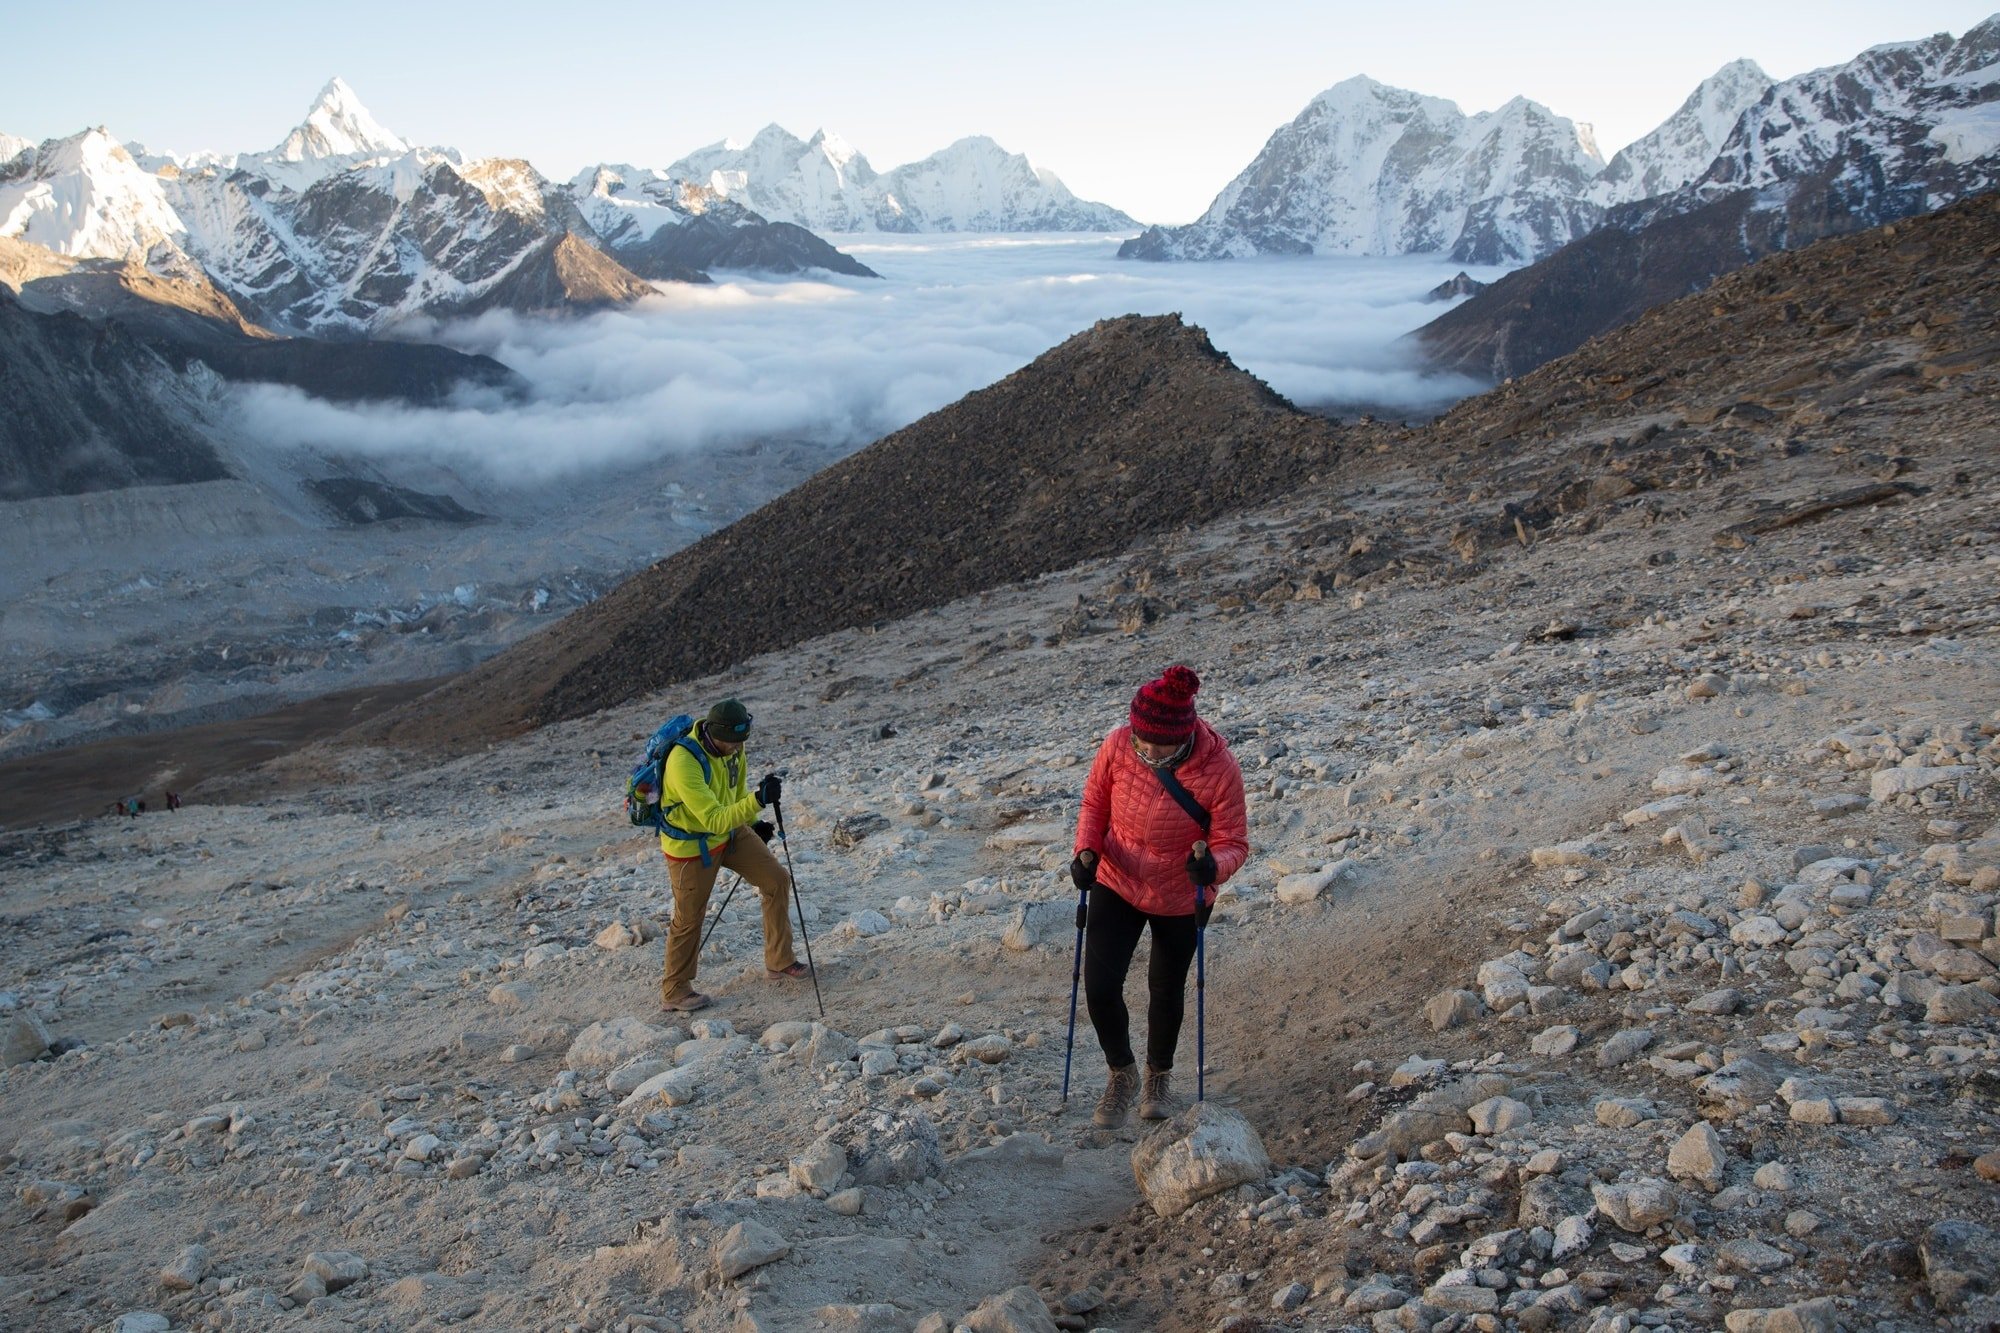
(1136,425)
(95,355)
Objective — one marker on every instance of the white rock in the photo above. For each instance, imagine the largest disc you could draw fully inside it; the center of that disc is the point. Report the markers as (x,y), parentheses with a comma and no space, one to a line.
(1016,1310)
(746,1246)
(1757,931)
(1558,1040)
(1035,923)
(867,922)
(1653,810)
(336,1268)
(1699,1156)
(1581,852)
(628,1077)
(612,1042)
(1638,1206)
(26,1039)
(141,1321)
(1498,1114)
(1304,888)
(1623,1046)
(820,1166)
(543,953)
(1889,783)
(617,935)
(673,1087)
(1203,1150)
(512,996)
(187,1270)
(991,1049)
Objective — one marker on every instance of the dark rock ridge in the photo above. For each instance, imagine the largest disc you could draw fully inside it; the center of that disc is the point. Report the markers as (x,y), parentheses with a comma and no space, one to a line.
(97,389)
(1460,284)
(1829,153)
(711,240)
(1135,425)
(90,407)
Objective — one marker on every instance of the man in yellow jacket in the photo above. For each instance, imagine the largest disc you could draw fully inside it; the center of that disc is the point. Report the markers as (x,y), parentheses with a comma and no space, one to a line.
(707,808)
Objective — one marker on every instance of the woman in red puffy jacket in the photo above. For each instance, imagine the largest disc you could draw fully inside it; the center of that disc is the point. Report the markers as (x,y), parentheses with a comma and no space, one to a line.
(1135,845)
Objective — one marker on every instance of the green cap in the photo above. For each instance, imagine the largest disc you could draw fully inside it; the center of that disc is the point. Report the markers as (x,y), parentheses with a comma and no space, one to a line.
(729,720)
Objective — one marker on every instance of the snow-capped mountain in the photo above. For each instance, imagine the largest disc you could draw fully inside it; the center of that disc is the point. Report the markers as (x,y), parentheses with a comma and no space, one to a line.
(85,197)
(336,134)
(1899,129)
(1370,169)
(826,185)
(666,229)
(12,147)
(1685,143)
(345,229)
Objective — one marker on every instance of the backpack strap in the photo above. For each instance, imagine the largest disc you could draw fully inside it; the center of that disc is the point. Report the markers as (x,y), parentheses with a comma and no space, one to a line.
(686,741)
(1184,798)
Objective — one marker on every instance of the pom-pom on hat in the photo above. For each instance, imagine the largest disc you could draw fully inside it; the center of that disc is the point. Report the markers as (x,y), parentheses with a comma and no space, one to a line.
(1163,709)
(729,720)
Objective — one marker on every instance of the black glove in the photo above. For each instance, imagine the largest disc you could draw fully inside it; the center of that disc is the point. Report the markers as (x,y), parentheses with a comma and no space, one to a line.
(1201,867)
(1083,872)
(763,828)
(770,789)
(1202,914)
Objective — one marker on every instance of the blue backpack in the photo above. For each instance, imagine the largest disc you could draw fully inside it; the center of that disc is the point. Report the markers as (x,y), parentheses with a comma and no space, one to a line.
(643,789)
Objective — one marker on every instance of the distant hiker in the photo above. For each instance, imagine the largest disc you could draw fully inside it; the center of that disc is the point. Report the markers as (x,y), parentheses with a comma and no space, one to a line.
(173,800)
(1161,784)
(709,800)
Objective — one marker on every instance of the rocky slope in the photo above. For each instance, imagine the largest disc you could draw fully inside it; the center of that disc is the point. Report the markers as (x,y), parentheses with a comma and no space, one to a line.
(1617,951)
(1136,425)
(1898,130)
(825,184)
(88,408)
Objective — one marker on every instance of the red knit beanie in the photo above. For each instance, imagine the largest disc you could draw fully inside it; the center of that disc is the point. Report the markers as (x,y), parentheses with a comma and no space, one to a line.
(1163,709)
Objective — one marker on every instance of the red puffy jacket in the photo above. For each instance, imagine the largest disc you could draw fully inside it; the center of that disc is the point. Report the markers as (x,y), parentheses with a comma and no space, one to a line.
(1141,835)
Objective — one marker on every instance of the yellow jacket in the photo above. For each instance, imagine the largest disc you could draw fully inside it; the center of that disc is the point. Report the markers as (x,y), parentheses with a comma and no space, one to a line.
(717,805)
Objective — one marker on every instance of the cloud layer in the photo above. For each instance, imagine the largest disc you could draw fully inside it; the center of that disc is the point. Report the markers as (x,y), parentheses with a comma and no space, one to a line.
(845,361)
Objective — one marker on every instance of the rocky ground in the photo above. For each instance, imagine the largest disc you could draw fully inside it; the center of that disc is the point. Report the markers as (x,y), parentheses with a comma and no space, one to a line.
(1618,948)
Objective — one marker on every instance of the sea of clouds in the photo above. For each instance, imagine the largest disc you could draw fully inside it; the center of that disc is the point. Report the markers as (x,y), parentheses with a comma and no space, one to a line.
(844,361)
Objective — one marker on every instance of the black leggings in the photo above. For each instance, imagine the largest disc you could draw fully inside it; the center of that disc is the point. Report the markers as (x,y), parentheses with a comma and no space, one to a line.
(1108,943)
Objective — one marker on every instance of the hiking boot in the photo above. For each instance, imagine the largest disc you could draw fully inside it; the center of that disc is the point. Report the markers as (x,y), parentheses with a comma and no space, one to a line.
(687,1003)
(794,972)
(1156,1101)
(1116,1102)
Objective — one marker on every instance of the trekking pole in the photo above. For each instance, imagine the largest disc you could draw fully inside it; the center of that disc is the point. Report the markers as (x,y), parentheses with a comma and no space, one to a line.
(778,808)
(1200,989)
(718,915)
(1075,979)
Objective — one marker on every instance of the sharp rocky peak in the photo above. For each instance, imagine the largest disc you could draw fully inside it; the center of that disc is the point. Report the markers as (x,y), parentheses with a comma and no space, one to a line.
(338,125)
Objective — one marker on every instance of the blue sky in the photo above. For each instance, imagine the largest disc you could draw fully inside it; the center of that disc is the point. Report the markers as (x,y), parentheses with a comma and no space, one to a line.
(1151,107)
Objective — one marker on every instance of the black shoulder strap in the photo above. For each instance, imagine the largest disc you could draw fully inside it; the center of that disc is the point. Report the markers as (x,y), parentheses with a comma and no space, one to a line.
(1183,797)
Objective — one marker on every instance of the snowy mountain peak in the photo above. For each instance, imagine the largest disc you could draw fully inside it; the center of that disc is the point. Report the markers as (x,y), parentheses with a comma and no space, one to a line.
(84,196)
(338,126)
(1683,145)
(11,147)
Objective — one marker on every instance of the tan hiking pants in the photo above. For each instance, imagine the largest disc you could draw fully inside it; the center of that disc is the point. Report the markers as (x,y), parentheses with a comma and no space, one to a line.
(692,882)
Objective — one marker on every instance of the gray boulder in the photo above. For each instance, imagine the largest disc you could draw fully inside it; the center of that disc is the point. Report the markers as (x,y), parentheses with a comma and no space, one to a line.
(1203,1150)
